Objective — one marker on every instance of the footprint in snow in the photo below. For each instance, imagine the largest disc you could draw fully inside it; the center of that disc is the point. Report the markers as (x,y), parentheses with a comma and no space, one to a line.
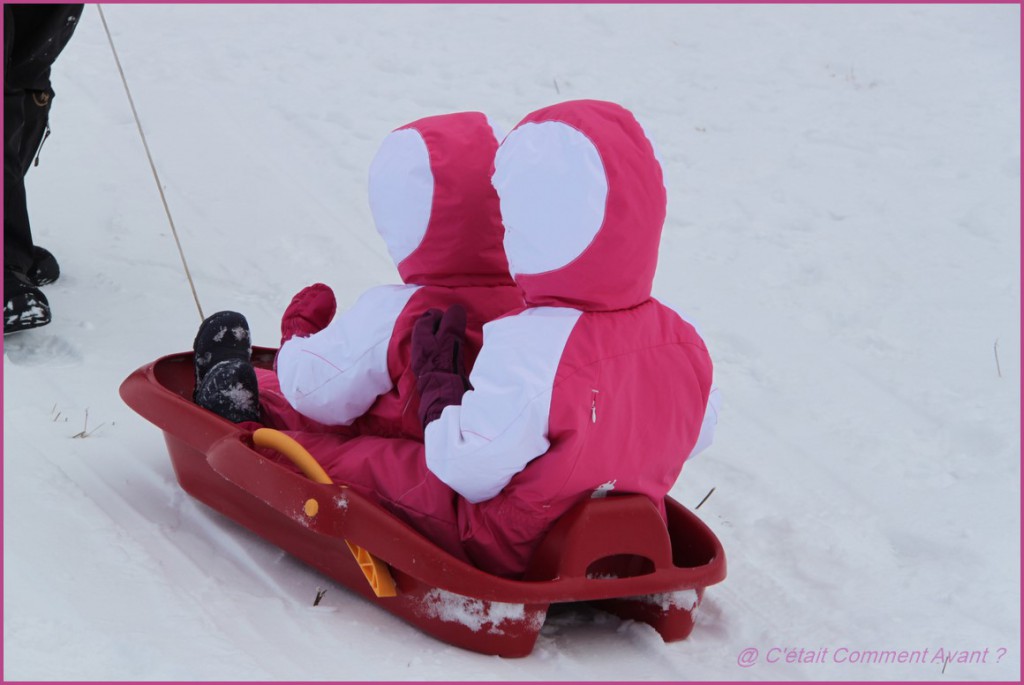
(32,348)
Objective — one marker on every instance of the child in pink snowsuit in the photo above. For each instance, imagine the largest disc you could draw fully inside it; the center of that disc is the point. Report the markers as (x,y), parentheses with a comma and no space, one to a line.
(348,374)
(594,387)
(433,204)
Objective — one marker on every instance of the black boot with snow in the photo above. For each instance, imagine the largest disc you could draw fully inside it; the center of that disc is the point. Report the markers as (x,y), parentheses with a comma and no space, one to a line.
(25,306)
(44,269)
(222,336)
(229,389)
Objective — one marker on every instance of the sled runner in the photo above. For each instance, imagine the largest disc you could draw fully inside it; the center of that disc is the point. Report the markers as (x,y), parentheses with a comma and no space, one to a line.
(614,552)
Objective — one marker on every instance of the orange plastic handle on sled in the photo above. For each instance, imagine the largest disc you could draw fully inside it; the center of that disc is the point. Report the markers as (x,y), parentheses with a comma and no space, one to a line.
(286,445)
(375,570)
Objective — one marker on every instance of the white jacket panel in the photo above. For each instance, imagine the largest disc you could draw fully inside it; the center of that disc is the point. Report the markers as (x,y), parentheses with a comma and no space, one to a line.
(336,374)
(502,424)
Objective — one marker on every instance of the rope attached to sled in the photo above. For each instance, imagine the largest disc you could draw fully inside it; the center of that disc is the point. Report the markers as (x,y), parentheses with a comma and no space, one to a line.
(152,165)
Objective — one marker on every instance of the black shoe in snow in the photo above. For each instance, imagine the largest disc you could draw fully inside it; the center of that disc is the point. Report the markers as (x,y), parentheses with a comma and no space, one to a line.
(222,336)
(25,306)
(230,390)
(44,269)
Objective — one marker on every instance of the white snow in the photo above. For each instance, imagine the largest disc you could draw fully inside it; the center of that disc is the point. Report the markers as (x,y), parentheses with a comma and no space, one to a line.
(680,599)
(239,396)
(843,221)
(473,613)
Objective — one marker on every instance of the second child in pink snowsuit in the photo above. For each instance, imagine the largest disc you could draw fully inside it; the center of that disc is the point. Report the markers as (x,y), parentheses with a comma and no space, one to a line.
(594,387)
(433,203)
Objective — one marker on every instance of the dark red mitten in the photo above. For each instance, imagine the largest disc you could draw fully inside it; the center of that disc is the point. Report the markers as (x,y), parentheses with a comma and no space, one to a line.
(437,391)
(437,360)
(423,342)
(309,312)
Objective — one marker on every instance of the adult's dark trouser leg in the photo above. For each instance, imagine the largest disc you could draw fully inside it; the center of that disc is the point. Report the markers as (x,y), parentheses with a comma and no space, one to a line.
(34,36)
(17,231)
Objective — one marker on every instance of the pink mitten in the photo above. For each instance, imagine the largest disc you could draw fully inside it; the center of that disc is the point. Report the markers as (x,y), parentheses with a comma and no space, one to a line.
(309,312)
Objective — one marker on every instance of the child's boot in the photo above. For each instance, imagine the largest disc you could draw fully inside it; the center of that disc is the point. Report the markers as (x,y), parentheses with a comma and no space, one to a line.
(222,336)
(230,389)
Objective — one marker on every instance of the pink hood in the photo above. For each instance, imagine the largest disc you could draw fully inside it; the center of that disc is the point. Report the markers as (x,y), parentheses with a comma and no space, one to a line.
(583,204)
(434,205)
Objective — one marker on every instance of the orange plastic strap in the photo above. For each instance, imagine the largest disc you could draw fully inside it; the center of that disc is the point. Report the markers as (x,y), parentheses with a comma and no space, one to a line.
(375,570)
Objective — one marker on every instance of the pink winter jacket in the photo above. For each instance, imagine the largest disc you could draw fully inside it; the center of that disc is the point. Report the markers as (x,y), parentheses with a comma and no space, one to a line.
(594,387)
(434,205)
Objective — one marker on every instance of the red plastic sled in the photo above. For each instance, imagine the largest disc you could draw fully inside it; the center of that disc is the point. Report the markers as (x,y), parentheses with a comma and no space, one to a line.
(614,552)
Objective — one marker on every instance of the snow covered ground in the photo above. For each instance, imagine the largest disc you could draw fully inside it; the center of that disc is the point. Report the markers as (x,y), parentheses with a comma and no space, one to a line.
(843,223)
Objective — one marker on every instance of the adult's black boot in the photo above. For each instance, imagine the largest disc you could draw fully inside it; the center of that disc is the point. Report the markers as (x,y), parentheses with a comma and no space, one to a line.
(44,269)
(25,306)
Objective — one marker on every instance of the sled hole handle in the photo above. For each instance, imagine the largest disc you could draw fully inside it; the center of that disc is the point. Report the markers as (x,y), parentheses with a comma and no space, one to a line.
(376,571)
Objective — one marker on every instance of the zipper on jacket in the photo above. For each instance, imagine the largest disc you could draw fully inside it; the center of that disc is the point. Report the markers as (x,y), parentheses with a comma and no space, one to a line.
(39,150)
(593,406)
